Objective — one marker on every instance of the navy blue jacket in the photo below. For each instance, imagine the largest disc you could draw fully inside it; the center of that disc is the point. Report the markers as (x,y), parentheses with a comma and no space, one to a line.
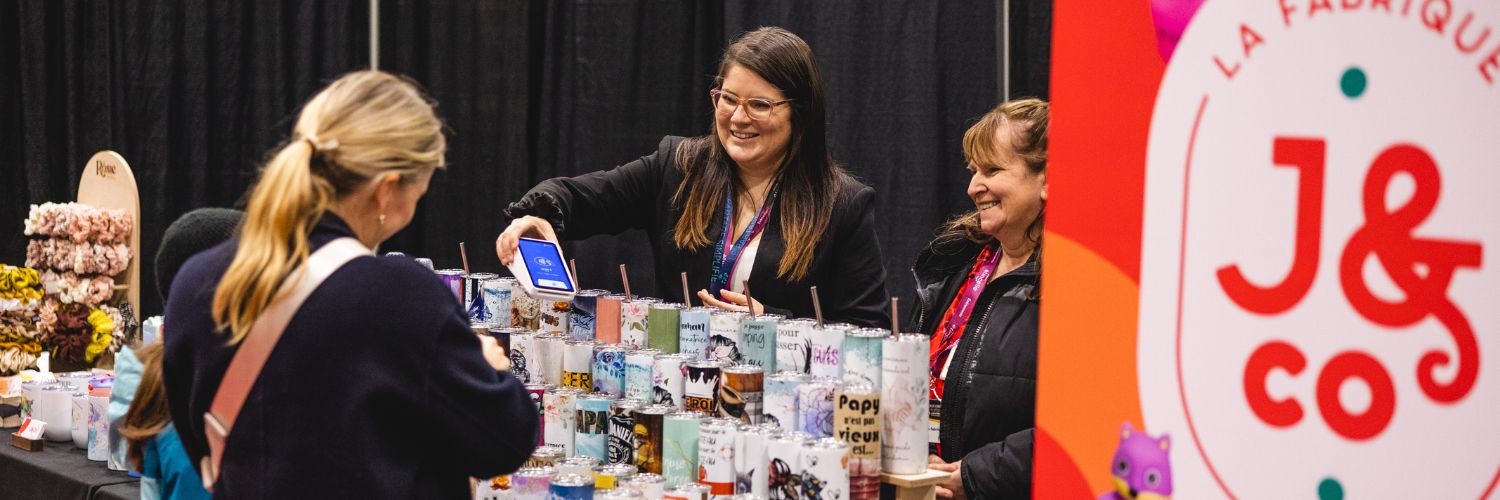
(378,388)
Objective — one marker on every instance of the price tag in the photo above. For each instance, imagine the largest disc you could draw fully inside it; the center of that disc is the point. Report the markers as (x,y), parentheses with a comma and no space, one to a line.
(31,429)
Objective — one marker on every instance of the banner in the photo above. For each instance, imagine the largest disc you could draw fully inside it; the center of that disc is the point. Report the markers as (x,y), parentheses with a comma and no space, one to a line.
(1265,270)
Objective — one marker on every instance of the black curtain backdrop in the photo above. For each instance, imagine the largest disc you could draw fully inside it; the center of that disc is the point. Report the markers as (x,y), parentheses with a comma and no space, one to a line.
(1030,48)
(192,94)
(195,96)
(534,90)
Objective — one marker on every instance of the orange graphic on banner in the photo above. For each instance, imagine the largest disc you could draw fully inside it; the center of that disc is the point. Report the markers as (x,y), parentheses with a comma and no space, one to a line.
(1079,409)
(1104,63)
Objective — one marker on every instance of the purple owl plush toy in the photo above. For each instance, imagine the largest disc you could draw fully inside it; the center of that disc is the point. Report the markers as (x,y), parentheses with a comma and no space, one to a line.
(1142,468)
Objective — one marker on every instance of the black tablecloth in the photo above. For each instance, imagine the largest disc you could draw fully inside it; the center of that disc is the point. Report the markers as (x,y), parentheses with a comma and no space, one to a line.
(59,471)
(122,491)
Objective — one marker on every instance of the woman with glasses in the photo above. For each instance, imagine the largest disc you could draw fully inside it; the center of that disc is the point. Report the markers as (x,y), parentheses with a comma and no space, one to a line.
(977,296)
(758,200)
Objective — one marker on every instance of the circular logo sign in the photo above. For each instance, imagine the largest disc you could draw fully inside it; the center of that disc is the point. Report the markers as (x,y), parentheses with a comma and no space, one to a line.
(1317,287)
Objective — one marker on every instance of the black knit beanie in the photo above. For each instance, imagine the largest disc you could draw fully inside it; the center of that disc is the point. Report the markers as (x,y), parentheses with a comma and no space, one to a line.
(194,232)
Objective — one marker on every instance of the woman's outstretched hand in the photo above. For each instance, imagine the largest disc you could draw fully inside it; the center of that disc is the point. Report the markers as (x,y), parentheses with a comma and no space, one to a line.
(732,301)
(527,226)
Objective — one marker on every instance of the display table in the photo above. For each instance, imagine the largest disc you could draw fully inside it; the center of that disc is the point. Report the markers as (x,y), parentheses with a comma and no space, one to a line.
(121,491)
(59,471)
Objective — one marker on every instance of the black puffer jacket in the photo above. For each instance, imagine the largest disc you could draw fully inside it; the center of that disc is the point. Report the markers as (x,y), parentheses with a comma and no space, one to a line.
(989,407)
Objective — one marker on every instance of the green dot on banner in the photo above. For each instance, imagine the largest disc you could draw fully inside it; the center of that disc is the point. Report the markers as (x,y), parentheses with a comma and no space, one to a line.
(1330,489)
(1353,82)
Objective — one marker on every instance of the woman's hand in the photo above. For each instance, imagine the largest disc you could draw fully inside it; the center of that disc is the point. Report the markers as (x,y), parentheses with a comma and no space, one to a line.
(494,353)
(732,301)
(527,226)
(953,487)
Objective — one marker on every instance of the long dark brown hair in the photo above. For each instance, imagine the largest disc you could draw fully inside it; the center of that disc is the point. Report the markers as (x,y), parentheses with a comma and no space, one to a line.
(1028,119)
(148,414)
(808,178)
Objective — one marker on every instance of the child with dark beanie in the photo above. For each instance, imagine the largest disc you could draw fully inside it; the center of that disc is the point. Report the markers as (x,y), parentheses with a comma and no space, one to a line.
(153,447)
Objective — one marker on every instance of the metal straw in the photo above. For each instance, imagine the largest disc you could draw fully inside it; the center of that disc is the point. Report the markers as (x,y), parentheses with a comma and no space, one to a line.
(895,316)
(464,256)
(625,279)
(817,308)
(749,301)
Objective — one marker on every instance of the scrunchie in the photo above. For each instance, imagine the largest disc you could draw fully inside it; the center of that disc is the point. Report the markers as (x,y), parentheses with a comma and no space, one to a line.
(103,334)
(13,361)
(79,223)
(20,288)
(125,325)
(323,146)
(78,257)
(71,334)
(541,204)
(20,341)
(69,287)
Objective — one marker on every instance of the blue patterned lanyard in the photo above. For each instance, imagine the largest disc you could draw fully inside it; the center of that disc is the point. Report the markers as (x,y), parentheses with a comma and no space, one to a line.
(729,256)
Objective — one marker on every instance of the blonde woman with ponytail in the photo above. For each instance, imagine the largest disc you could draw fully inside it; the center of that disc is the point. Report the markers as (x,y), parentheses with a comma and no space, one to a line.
(377,388)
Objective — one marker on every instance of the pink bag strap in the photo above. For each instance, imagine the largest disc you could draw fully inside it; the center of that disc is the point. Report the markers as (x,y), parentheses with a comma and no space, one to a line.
(256,347)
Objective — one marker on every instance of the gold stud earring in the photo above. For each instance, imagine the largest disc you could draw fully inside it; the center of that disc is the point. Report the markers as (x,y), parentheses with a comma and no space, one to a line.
(382,219)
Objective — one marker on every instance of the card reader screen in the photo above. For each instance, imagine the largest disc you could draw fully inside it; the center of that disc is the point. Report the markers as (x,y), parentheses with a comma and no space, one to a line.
(545,265)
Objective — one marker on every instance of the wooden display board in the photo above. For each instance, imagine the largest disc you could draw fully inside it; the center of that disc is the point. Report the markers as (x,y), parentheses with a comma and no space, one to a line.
(108,182)
(915,486)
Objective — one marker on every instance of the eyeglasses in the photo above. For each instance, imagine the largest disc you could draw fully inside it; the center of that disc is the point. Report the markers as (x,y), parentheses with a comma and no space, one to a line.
(755,107)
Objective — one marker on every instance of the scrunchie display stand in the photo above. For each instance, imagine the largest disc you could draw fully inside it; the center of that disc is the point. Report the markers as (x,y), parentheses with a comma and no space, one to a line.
(108,182)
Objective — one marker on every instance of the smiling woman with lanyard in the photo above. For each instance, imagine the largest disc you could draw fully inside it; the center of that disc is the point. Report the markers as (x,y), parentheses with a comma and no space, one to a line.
(758,200)
(978,296)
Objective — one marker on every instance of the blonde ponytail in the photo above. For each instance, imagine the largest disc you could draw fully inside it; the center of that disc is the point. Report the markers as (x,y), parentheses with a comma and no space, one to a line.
(365,124)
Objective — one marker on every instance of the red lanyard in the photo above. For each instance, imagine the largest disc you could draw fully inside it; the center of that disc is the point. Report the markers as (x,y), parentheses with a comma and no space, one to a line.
(957,317)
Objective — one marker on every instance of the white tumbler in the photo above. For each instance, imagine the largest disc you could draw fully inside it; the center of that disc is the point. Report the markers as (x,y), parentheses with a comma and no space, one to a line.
(53,407)
(80,425)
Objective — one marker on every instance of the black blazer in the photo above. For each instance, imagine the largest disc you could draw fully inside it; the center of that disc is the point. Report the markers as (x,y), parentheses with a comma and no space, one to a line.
(377,389)
(846,267)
